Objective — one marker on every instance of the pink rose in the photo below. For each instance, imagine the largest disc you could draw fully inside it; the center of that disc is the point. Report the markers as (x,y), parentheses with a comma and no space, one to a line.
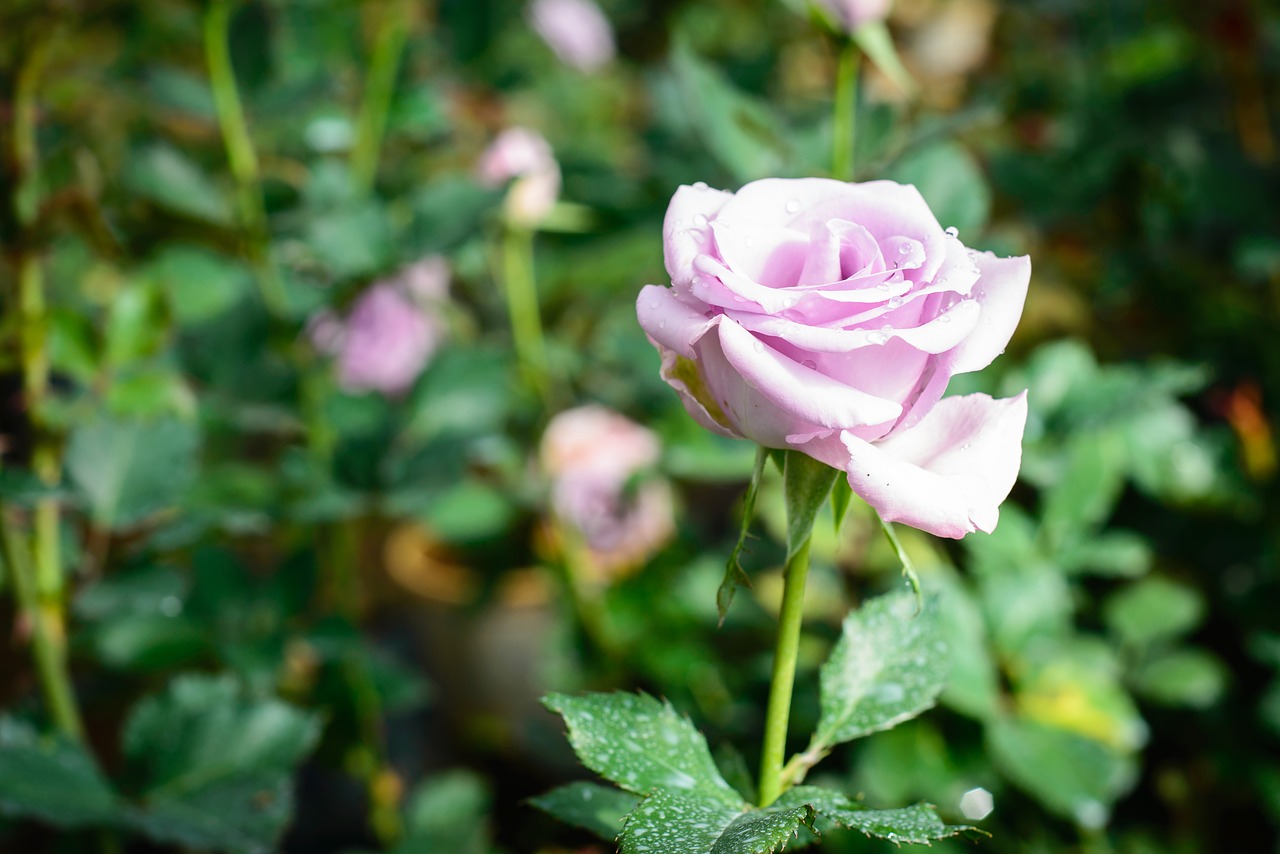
(828,317)
(391,333)
(524,155)
(576,30)
(851,14)
(592,454)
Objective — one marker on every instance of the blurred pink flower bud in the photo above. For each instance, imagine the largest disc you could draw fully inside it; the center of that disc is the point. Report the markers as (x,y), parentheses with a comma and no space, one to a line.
(592,456)
(851,14)
(524,155)
(576,30)
(391,333)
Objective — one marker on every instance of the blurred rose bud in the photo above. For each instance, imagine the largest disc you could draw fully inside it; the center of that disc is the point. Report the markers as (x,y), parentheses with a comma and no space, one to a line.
(576,30)
(848,15)
(595,459)
(524,155)
(392,331)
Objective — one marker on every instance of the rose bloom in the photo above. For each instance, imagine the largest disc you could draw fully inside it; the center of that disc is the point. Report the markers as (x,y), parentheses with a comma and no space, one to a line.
(851,14)
(827,317)
(592,454)
(524,155)
(576,30)
(392,331)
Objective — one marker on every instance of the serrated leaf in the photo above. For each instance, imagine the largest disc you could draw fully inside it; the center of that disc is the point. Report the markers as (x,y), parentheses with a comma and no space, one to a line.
(590,806)
(806,483)
(126,470)
(216,766)
(887,667)
(918,824)
(53,780)
(641,744)
(674,822)
(734,575)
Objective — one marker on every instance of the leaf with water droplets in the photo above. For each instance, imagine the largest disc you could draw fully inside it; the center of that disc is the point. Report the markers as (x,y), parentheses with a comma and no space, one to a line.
(670,822)
(889,665)
(642,744)
(590,806)
(918,824)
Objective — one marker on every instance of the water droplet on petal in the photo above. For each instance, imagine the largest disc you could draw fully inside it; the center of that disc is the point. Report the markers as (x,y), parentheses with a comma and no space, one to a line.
(701,185)
(895,302)
(953,232)
(883,286)
(653,303)
(904,248)
(662,324)
(944,318)
(700,220)
(810,364)
(696,234)
(759,346)
(793,206)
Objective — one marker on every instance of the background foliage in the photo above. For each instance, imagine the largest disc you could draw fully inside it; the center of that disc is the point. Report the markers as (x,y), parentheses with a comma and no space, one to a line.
(314,620)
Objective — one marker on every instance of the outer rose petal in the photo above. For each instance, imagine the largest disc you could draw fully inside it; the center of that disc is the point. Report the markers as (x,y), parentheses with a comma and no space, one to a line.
(1001,290)
(684,231)
(948,474)
(670,322)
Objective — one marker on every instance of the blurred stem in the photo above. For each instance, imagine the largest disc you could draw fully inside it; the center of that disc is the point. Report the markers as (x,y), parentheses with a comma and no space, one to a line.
(846,112)
(34,328)
(240,151)
(379,88)
(778,713)
(47,644)
(520,289)
(585,595)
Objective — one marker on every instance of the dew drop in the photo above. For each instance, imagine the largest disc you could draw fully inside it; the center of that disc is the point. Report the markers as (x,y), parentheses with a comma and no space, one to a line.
(944,318)
(895,302)
(759,346)
(700,220)
(953,232)
(793,206)
(662,324)
(654,304)
(883,286)
(810,364)
(904,248)
(700,186)
(696,234)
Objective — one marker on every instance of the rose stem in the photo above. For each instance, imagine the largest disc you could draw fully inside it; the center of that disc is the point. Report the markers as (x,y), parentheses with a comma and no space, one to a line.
(39,588)
(846,112)
(520,289)
(240,153)
(784,674)
(379,88)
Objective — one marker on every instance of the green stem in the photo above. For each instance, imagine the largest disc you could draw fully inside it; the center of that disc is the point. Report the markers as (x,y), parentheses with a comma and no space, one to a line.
(778,712)
(521,292)
(846,112)
(46,640)
(240,151)
(379,87)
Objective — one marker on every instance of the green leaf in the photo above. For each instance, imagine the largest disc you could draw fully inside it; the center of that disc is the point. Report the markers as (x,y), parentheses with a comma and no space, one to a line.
(199,284)
(877,44)
(734,575)
(1112,553)
(1153,609)
(680,822)
(590,806)
(127,470)
(887,667)
(742,133)
(1074,776)
(918,824)
(1182,677)
(641,744)
(947,176)
(167,177)
(806,483)
(216,766)
(1092,476)
(447,813)
(841,498)
(51,779)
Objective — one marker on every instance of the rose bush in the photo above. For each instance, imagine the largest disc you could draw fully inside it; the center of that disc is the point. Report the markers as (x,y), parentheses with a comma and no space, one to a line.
(828,317)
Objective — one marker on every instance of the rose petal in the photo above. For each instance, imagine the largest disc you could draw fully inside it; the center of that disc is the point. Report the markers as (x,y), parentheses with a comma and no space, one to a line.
(671,322)
(835,246)
(684,231)
(1001,290)
(800,392)
(948,475)
(765,254)
(674,373)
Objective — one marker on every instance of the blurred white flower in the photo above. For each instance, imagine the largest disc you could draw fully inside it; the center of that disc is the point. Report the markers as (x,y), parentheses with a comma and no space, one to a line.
(576,30)
(593,456)
(393,329)
(524,155)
